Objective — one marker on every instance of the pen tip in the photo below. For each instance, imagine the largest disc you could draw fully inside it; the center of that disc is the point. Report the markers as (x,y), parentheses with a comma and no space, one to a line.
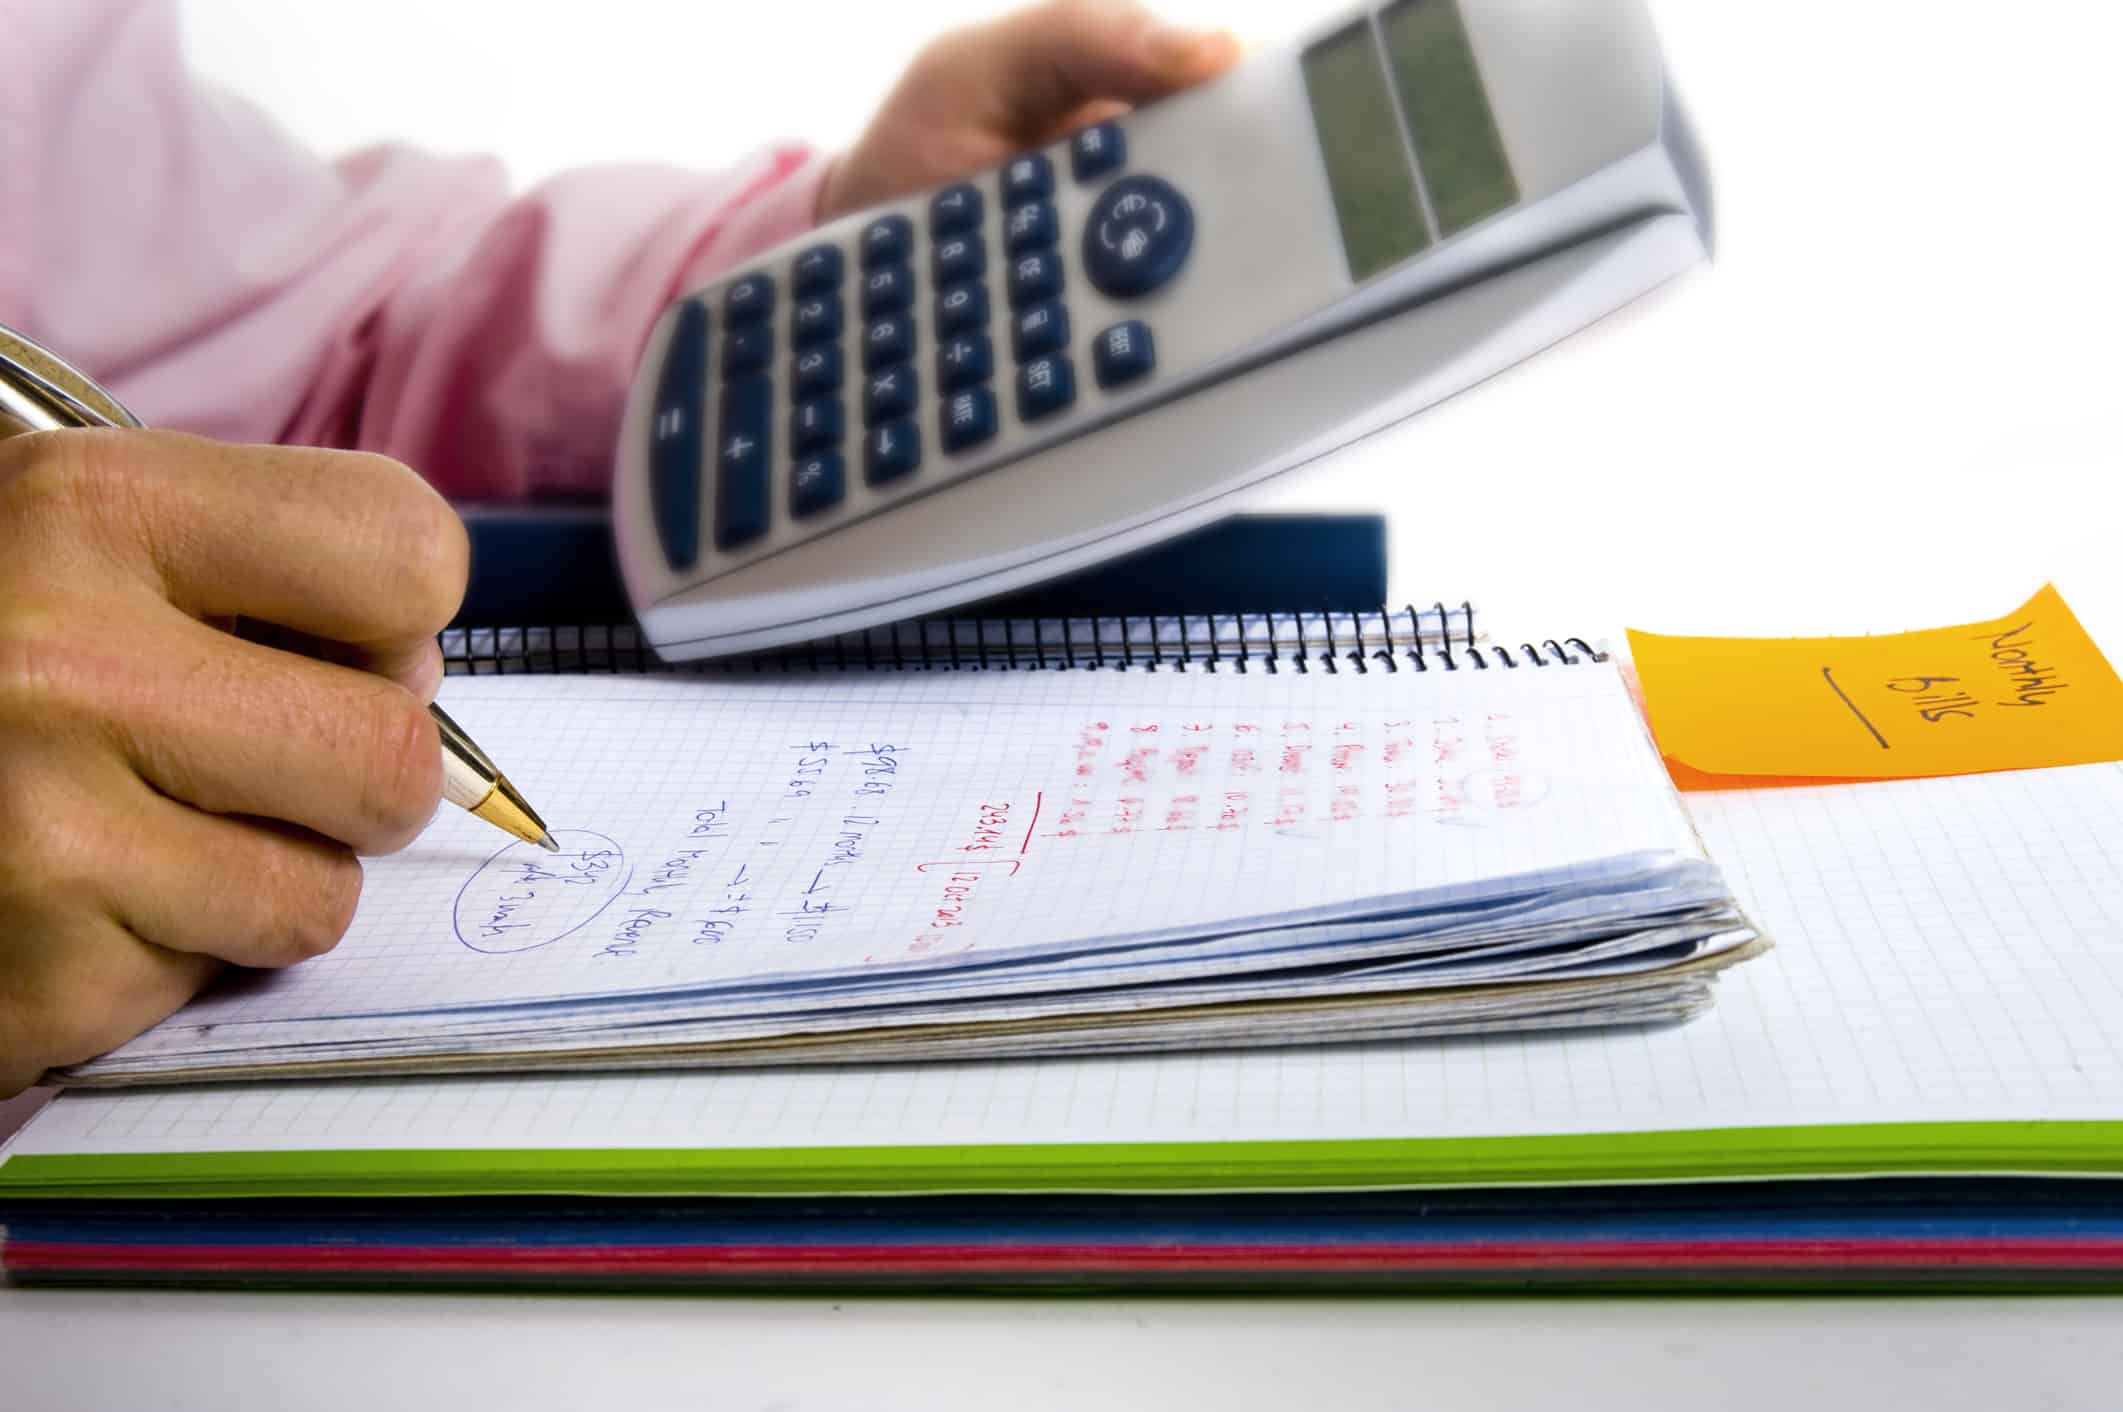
(545,841)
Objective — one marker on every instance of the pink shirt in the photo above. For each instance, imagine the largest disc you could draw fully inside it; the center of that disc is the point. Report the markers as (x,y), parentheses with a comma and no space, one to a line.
(177,246)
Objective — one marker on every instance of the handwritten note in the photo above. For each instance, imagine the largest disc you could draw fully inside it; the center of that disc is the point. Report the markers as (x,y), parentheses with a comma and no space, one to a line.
(2023,691)
(731,838)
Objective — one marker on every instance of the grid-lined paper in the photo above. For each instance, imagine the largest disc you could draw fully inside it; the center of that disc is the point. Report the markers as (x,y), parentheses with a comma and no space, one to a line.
(1949,949)
(727,833)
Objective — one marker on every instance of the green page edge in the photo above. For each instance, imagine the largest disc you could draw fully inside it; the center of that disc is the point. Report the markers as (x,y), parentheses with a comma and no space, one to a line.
(1855,1149)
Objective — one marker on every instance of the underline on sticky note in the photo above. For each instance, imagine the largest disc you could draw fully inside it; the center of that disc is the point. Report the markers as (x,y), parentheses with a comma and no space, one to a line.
(2023,691)
(1828,675)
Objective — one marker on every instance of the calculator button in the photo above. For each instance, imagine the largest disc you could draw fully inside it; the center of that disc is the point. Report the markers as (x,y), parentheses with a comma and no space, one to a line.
(676,435)
(1137,236)
(815,425)
(891,451)
(817,319)
(1028,178)
(746,350)
(886,241)
(818,269)
(960,257)
(954,209)
(1045,386)
(1043,328)
(1123,353)
(962,308)
(817,483)
(889,395)
(887,341)
(748,300)
(744,450)
(1034,277)
(967,418)
(1032,226)
(815,370)
(965,360)
(1097,150)
(887,290)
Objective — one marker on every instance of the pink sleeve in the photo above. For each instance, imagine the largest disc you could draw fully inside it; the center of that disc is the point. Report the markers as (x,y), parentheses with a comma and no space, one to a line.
(175,244)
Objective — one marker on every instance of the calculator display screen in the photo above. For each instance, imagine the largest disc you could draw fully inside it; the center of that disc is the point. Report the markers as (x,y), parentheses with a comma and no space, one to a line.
(1375,199)
(1453,131)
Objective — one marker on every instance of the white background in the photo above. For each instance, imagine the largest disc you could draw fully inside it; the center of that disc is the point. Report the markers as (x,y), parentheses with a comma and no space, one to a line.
(1896,399)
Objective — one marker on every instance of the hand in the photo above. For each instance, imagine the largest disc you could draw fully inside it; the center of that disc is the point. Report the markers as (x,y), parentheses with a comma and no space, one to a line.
(978,96)
(172,796)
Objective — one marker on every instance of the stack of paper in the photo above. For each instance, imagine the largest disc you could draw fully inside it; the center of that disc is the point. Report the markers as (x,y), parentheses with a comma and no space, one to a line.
(880,865)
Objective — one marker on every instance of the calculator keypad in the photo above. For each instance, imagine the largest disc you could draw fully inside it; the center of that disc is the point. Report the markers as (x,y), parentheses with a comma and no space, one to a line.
(894,337)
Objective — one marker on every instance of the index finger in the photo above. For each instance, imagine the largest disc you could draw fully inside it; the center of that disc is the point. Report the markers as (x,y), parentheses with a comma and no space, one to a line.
(343,545)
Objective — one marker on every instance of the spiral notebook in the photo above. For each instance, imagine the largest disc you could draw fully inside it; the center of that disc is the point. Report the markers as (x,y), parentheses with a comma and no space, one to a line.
(970,839)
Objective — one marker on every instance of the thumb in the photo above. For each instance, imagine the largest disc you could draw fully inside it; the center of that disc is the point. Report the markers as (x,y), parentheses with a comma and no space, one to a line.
(1047,63)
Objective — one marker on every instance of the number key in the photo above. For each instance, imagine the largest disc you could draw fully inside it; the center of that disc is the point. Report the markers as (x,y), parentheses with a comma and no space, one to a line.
(886,241)
(961,308)
(815,370)
(887,341)
(954,209)
(887,290)
(817,319)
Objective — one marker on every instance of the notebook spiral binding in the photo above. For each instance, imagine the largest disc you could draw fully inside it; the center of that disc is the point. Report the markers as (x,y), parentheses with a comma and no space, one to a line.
(1414,639)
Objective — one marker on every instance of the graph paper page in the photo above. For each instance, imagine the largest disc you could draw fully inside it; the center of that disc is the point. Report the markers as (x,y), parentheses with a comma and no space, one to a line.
(1948,949)
(749,831)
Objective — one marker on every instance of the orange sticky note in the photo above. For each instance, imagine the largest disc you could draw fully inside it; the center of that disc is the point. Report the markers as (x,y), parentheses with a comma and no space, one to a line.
(2026,690)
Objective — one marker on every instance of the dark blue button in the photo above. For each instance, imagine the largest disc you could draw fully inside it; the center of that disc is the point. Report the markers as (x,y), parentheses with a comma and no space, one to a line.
(890,394)
(886,241)
(814,370)
(954,209)
(1137,236)
(967,418)
(817,319)
(891,451)
(1027,178)
(1034,277)
(676,434)
(960,257)
(887,341)
(744,449)
(1123,353)
(1097,150)
(1043,328)
(817,483)
(1032,226)
(815,425)
(818,269)
(887,290)
(746,350)
(748,300)
(1045,386)
(965,360)
(962,308)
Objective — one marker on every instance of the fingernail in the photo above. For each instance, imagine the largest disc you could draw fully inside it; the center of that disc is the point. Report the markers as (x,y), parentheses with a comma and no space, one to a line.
(1173,49)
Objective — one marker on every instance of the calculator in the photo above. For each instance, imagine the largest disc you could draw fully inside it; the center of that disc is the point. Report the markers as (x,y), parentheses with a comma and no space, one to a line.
(1105,341)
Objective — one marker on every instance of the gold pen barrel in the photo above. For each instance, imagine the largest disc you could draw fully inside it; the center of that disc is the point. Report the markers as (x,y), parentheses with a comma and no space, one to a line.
(470,781)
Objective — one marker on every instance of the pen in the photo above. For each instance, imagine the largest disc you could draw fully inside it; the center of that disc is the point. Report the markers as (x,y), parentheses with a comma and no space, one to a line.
(39,391)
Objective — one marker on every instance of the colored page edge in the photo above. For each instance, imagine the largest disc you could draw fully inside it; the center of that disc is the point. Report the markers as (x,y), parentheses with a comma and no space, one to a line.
(2093,1148)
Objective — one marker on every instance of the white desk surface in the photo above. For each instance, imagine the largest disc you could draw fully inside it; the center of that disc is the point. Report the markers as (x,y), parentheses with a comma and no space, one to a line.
(1895,401)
